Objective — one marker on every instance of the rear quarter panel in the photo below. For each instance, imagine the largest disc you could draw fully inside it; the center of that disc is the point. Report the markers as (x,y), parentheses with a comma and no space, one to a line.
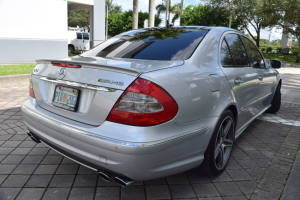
(192,86)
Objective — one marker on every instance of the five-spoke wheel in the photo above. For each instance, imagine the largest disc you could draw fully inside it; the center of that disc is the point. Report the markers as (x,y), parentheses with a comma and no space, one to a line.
(219,149)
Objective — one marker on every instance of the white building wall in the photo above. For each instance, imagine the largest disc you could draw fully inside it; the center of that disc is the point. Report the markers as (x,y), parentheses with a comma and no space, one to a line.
(98,22)
(38,29)
(32,29)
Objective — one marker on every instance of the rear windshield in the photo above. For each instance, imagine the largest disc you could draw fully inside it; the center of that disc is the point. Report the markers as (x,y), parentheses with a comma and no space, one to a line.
(151,44)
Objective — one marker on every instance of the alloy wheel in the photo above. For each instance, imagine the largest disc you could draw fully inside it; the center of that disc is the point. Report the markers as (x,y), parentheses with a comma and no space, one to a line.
(224,143)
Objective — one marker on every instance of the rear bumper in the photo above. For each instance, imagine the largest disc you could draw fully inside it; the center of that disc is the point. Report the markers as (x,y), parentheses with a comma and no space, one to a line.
(136,160)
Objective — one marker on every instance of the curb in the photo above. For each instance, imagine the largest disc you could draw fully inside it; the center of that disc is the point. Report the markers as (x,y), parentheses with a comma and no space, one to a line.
(13,80)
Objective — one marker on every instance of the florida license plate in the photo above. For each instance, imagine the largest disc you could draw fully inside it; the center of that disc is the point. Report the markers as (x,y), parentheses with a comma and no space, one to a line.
(65,97)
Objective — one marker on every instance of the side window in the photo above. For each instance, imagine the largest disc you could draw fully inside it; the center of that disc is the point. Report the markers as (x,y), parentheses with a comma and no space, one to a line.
(79,35)
(255,58)
(86,36)
(237,50)
(225,55)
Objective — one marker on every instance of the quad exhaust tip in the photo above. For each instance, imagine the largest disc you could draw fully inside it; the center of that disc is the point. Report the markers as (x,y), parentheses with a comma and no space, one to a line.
(123,181)
(105,176)
(33,137)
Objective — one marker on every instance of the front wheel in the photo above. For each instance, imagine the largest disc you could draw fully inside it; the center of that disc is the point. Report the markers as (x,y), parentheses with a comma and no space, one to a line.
(220,146)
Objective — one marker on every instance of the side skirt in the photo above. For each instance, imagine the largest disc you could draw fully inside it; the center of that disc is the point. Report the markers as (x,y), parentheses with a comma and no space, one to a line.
(241,130)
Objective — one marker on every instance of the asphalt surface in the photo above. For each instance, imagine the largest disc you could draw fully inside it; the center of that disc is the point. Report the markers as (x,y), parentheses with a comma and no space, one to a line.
(264,162)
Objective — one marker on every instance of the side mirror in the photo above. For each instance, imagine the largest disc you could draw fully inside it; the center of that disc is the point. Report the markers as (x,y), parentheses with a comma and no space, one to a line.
(275,64)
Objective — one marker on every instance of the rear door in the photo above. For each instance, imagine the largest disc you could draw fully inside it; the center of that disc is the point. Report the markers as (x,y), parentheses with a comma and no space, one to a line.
(242,77)
(86,41)
(79,41)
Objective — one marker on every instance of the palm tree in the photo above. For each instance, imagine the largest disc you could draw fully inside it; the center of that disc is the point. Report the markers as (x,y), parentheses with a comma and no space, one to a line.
(175,9)
(135,14)
(151,17)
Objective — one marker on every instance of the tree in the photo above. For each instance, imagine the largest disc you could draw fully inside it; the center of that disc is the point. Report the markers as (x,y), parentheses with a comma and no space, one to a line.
(285,14)
(120,22)
(234,7)
(249,12)
(112,7)
(206,15)
(175,9)
(256,18)
(79,17)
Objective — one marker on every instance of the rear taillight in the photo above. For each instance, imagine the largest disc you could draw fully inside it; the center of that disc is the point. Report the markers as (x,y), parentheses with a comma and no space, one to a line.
(143,104)
(31,92)
(66,65)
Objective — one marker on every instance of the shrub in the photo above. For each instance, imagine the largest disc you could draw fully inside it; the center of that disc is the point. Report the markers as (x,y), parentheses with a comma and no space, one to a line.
(269,49)
(294,50)
(263,49)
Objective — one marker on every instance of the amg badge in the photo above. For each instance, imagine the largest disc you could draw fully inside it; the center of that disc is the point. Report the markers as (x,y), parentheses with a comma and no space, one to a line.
(111,82)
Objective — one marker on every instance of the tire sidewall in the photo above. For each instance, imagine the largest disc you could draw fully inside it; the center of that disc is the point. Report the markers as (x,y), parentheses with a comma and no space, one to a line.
(212,145)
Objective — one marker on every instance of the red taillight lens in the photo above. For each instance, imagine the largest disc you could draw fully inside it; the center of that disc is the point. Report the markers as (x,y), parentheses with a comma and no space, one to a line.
(143,104)
(31,92)
(66,65)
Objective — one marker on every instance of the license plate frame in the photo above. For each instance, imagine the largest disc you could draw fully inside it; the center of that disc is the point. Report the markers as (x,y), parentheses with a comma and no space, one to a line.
(69,102)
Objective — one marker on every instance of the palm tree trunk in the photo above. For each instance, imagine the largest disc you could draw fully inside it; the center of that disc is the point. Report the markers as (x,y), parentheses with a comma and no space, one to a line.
(181,9)
(298,53)
(135,14)
(167,12)
(151,13)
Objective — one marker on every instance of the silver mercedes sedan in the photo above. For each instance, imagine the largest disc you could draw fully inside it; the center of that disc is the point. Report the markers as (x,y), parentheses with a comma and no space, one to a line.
(152,102)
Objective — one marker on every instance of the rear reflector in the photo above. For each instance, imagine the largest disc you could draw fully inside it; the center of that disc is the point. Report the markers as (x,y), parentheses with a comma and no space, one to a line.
(143,104)
(31,92)
(66,65)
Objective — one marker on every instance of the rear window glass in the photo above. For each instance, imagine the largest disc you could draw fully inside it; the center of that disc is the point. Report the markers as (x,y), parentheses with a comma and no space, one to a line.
(226,59)
(151,44)
(237,50)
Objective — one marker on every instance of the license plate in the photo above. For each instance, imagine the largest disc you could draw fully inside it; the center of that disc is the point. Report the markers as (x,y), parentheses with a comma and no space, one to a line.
(65,97)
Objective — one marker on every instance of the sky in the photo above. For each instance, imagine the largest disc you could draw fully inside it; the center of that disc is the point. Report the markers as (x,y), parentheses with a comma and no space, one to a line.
(143,6)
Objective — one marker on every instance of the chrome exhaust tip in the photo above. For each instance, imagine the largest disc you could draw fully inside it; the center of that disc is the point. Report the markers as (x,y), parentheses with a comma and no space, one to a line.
(124,181)
(105,176)
(33,137)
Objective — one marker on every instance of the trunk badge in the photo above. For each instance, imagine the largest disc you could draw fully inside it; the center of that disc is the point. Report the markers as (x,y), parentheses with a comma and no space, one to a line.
(62,73)
(111,82)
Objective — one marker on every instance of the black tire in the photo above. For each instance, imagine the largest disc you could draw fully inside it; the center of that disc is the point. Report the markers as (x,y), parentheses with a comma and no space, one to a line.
(71,49)
(220,146)
(276,101)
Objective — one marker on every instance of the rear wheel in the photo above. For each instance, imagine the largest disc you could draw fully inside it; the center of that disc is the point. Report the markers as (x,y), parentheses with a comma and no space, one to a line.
(276,101)
(220,146)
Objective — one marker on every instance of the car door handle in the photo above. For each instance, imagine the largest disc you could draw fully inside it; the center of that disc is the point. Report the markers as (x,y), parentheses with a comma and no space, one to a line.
(238,81)
(260,78)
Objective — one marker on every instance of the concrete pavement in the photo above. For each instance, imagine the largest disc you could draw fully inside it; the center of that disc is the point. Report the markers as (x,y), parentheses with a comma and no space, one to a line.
(263,165)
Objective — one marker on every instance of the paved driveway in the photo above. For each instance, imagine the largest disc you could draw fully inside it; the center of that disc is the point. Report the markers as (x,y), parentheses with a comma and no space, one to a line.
(259,168)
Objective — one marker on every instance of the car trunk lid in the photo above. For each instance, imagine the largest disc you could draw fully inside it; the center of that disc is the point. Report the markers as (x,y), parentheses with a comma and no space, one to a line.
(87,93)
